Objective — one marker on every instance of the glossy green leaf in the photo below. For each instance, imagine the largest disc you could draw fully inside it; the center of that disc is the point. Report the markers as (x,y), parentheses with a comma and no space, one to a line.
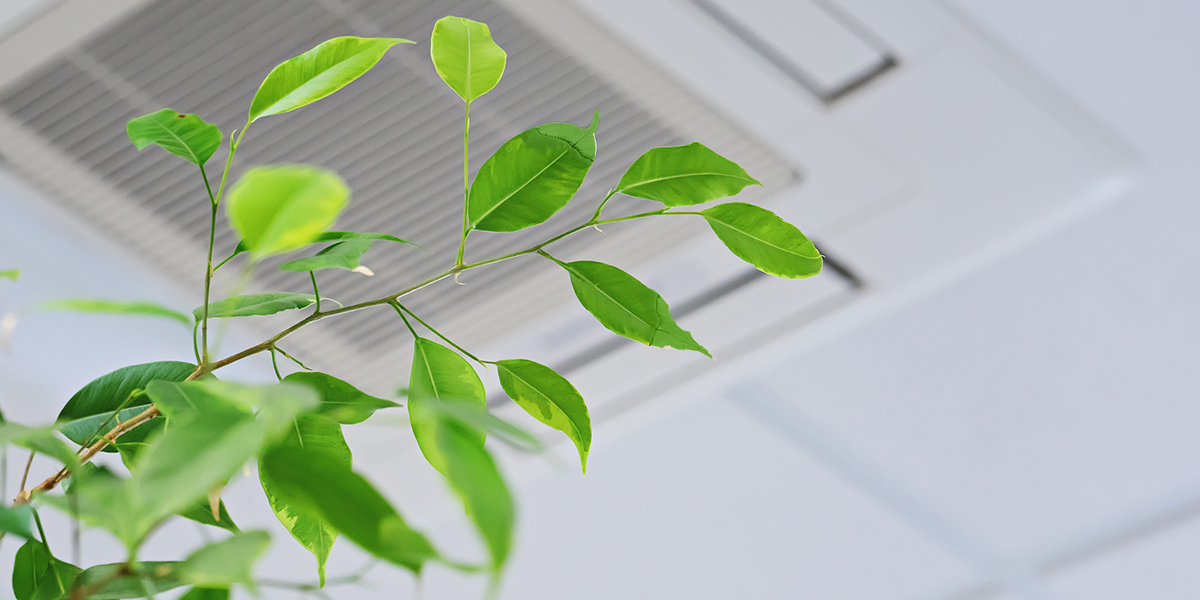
(104,394)
(439,375)
(759,237)
(531,176)
(342,255)
(340,401)
(465,56)
(627,307)
(329,67)
(185,136)
(114,307)
(323,486)
(39,439)
(683,175)
(17,520)
(549,398)
(474,477)
(227,562)
(312,434)
(36,574)
(155,576)
(279,209)
(256,305)
(13,274)
(336,236)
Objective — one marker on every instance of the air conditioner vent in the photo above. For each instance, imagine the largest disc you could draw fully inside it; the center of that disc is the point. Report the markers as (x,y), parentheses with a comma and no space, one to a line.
(395,135)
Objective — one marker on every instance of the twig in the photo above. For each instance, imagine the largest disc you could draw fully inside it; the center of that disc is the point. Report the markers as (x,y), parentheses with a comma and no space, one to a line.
(25,475)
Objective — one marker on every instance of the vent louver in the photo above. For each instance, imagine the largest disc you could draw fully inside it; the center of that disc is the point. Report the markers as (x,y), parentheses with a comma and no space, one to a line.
(395,135)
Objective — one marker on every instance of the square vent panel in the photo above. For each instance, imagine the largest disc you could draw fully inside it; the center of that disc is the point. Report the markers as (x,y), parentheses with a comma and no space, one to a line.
(395,135)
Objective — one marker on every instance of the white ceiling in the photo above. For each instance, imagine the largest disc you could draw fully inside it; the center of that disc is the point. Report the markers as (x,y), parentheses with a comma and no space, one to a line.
(1016,425)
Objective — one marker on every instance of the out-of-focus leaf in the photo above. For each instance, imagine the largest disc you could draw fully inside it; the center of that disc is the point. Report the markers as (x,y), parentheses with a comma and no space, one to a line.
(549,398)
(155,576)
(279,209)
(114,307)
(759,237)
(475,479)
(185,136)
(682,175)
(39,439)
(342,255)
(329,67)
(311,434)
(478,418)
(206,593)
(627,307)
(532,176)
(13,274)
(256,305)
(465,56)
(439,375)
(17,520)
(200,512)
(340,401)
(104,394)
(227,562)
(325,487)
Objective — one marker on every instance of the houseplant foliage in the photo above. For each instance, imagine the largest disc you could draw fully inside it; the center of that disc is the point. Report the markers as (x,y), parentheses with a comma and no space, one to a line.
(183,433)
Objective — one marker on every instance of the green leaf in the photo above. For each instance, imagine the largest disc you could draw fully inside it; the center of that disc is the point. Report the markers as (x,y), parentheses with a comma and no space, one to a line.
(83,431)
(39,439)
(224,563)
(313,434)
(16,520)
(324,486)
(342,255)
(531,176)
(13,274)
(759,237)
(474,477)
(317,73)
(683,175)
(255,305)
(340,401)
(36,574)
(104,394)
(465,56)
(206,593)
(480,419)
(335,236)
(114,307)
(439,375)
(549,398)
(200,512)
(185,136)
(212,433)
(627,307)
(103,499)
(156,576)
(279,209)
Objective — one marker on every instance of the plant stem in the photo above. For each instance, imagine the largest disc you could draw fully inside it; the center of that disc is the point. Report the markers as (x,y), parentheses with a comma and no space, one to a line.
(275,365)
(292,358)
(208,270)
(316,292)
(399,307)
(462,244)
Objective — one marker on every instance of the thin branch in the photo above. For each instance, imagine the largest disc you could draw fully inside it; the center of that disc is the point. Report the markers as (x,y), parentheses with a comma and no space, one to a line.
(316,292)
(25,475)
(275,364)
(293,358)
(435,332)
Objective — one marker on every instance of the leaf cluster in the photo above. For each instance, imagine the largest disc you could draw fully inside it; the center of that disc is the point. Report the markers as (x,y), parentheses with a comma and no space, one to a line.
(183,434)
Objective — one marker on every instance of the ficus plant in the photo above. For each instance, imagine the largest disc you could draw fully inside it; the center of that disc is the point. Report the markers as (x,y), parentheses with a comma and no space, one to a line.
(182,433)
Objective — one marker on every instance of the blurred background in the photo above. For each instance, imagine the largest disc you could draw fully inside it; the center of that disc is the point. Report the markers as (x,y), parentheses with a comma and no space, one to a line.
(990,393)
